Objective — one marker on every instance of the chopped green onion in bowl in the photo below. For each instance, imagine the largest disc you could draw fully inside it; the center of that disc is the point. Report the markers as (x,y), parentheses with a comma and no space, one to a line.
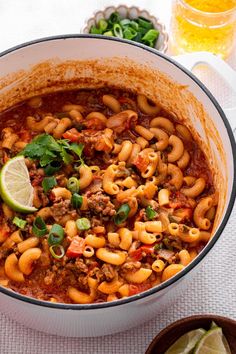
(138,29)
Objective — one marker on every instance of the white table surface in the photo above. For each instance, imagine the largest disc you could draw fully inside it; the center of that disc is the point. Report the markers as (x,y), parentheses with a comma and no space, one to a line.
(213,289)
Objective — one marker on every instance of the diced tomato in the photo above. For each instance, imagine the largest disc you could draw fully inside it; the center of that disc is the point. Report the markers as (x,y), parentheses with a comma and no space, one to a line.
(138,288)
(141,162)
(175,205)
(72,135)
(95,123)
(76,247)
(4,232)
(184,213)
(138,253)
(179,200)
(25,135)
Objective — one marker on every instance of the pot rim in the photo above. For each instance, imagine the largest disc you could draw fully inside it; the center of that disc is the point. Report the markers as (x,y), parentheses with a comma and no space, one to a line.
(210,244)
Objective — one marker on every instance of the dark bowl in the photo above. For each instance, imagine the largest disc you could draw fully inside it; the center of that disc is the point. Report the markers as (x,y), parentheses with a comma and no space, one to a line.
(174,331)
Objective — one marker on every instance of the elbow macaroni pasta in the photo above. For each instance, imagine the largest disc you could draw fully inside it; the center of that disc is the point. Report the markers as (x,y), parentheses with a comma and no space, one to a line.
(145,203)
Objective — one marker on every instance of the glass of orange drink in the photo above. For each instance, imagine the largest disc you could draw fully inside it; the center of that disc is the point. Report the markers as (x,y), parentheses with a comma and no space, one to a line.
(203,25)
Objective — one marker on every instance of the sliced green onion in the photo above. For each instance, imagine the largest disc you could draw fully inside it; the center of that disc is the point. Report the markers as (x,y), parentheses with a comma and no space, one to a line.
(138,29)
(114,18)
(134,25)
(117,30)
(138,38)
(73,184)
(125,22)
(83,224)
(150,37)
(53,167)
(129,33)
(57,251)
(142,31)
(39,228)
(76,201)
(48,183)
(122,214)
(143,22)
(95,30)
(56,235)
(102,25)
(150,213)
(19,222)
(108,33)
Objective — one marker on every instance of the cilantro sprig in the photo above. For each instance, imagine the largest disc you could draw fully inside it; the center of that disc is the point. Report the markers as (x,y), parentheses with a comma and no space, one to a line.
(46,149)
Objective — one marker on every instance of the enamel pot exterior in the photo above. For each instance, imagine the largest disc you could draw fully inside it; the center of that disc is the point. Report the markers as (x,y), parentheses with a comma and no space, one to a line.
(106,318)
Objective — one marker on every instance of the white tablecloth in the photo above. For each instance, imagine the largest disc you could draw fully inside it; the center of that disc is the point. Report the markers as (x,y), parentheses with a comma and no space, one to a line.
(212,291)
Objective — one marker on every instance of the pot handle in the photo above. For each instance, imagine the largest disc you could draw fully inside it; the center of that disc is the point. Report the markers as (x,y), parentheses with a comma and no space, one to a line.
(190,60)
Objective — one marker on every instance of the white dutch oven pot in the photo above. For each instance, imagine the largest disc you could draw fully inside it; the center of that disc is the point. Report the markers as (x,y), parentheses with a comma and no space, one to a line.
(131,66)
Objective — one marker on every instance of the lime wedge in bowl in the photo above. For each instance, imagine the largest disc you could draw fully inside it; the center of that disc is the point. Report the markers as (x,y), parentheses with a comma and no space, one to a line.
(15,187)
(212,343)
(186,343)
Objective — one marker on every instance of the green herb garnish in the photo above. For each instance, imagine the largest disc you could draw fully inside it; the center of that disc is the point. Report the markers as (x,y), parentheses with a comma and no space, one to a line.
(19,222)
(122,214)
(139,29)
(57,251)
(52,168)
(56,235)
(77,149)
(83,224)
(48,150)
(73,184)
(39,228)
(48,183)
(76,201)
(151,214)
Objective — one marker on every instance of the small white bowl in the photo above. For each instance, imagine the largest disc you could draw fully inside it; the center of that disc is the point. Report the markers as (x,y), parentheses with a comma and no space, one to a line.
(131,13)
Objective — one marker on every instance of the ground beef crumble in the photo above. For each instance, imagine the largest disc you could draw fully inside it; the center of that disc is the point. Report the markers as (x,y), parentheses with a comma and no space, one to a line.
(100,203)
(108,271)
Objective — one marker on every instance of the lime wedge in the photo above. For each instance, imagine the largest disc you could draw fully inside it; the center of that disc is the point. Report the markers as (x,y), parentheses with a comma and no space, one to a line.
(15,187)
(186,343)
(213,325)
(212,343)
